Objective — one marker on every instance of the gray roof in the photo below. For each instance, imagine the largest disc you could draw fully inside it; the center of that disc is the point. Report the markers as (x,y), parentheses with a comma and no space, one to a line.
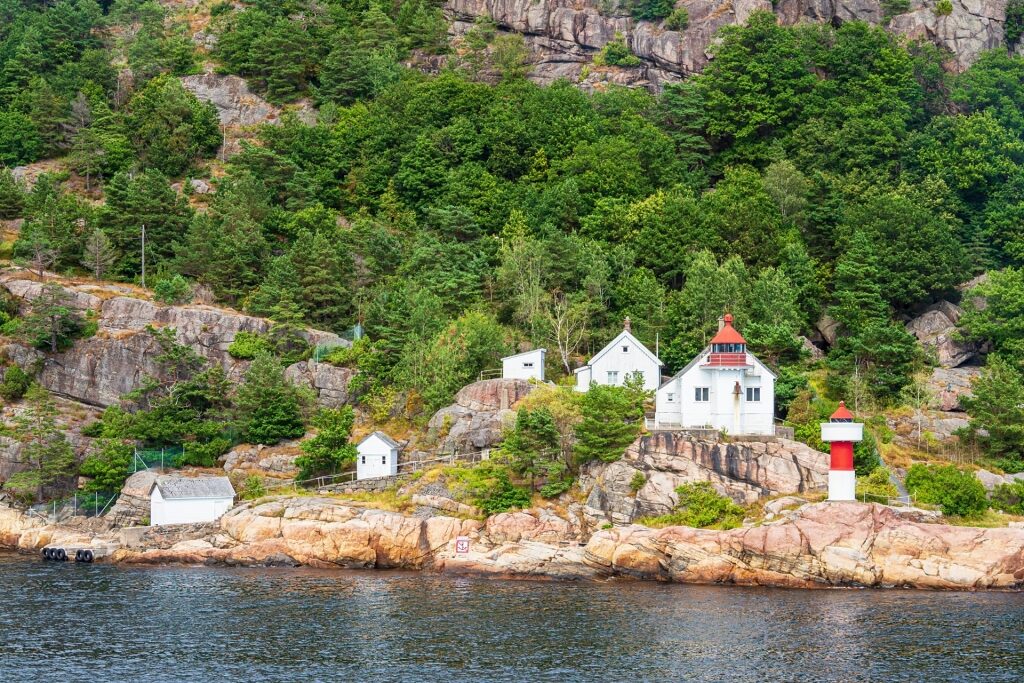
(194,487)
(383,437)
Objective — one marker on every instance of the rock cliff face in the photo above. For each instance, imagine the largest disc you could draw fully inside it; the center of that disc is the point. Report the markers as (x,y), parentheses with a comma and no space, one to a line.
(821,545)
(744,471)
(828,544)
(564,35)
(480,413)
(100,369)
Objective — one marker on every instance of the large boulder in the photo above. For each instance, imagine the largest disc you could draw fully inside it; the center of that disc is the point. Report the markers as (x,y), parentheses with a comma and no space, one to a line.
(328,382)
(478,418)
(275,462)
(936,330)
(947,385)
(132,505)
(744,471)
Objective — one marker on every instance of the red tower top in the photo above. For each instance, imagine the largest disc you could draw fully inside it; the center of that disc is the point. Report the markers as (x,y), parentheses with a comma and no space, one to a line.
(728,347)
(841,414)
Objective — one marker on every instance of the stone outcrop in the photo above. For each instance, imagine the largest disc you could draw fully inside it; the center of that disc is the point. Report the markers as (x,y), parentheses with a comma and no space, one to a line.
(565,35)
(276,462)
(947,385)
(744,471)
(328,382)
(819,545)
(935,329)
(132,506)
(71,417)
(827,544)
(478,417)
(922,426)
(990,480)
(236,104)
(113,362)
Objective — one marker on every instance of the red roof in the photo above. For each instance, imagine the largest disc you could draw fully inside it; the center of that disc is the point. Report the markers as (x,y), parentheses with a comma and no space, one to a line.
(842,413)
(728,334)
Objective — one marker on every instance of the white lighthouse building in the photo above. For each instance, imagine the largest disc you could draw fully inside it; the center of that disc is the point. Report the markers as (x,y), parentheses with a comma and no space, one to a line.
(725,387)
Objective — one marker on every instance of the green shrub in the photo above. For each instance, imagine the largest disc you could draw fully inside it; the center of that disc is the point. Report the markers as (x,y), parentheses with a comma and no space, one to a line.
(1014,26)
(678,20)
(329,451)
(247,345)
(1010,465)
(650,10)
(891,8)
(172,290)
(108,465)
(957,491)
(16,383)
(702,507)
(11,327)
(557,487)
(637,482)
(615,53)
(876,487)
(943,8)
(1009,497)
(489,487)
(253,488)
(203,453)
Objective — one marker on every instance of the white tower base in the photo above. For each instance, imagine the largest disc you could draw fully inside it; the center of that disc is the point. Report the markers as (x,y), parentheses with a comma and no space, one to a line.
(842,485)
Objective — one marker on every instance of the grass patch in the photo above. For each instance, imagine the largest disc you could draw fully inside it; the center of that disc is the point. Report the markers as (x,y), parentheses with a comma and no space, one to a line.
(990,519)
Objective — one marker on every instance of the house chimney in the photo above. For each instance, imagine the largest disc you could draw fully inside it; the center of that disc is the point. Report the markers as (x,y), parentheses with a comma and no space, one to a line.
(627,324)
(721,322)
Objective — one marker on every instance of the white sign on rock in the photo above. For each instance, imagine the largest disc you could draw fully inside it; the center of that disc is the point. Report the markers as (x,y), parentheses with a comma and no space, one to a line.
(462,545)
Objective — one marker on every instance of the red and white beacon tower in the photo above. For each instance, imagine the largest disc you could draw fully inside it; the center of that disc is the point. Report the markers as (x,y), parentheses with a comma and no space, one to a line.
(841,432)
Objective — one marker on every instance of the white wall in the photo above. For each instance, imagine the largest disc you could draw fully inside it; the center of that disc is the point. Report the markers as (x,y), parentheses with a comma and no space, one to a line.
(623,357)
(583,378)
(723,409)
(186,510)
(529,365)
(375,458)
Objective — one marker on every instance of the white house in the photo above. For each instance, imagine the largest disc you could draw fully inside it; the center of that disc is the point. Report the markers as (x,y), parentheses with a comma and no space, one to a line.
(187,500)
(624,356)
(526,365)
(377,457)
(725,387)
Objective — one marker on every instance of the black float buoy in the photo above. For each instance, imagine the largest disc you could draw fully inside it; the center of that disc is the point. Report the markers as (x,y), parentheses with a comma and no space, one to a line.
(61,554)
(46,554)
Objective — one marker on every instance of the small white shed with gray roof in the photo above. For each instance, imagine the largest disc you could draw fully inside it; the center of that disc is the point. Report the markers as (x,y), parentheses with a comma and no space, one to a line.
(188,500)
(377,457)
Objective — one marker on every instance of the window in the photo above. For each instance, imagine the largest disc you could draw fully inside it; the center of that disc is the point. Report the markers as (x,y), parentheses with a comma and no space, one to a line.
(364,460)
(613,377)
(625,349)
(700,394)
(528,365)
(383,460)
(753,393)
(670,397)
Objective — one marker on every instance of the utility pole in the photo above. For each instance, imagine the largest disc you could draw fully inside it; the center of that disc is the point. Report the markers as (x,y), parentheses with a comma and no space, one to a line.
(143,255)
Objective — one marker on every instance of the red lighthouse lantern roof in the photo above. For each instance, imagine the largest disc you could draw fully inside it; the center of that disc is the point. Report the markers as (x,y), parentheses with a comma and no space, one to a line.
(842,414)
(728,333)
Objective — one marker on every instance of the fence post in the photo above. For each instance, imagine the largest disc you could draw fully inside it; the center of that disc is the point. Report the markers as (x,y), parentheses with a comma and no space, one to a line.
(96,504)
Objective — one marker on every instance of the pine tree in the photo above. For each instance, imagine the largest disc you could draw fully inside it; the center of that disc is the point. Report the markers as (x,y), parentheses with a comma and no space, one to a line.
(533,446)
(612,419)
(325,272)
(329,451)
(269,408)
(99,255)
(12,195)
(143,200)
(44,448)
(52,323)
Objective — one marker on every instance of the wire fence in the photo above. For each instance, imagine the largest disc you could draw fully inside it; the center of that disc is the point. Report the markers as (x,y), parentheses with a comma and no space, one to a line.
(82,504)
(164,457)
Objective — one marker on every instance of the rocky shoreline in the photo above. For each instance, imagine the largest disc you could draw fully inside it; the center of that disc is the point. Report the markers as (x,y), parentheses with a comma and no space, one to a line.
(819,545)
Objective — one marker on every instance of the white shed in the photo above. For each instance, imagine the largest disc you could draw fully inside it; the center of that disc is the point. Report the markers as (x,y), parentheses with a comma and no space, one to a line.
(624,357)
(526,365)
(377,457)
(187,500)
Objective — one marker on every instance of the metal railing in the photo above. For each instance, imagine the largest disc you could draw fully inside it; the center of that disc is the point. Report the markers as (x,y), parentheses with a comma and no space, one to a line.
(490,373)
(409,466)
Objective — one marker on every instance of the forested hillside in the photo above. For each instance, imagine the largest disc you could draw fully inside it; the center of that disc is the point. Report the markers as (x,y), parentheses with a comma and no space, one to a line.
(809,171)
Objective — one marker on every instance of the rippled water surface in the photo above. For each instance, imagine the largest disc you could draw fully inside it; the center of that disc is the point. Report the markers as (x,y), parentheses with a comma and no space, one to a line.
(110,623)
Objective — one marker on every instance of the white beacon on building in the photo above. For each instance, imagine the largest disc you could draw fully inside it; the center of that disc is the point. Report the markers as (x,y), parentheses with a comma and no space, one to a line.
(377,456)
(725,387)
(189,500)
(526,365)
